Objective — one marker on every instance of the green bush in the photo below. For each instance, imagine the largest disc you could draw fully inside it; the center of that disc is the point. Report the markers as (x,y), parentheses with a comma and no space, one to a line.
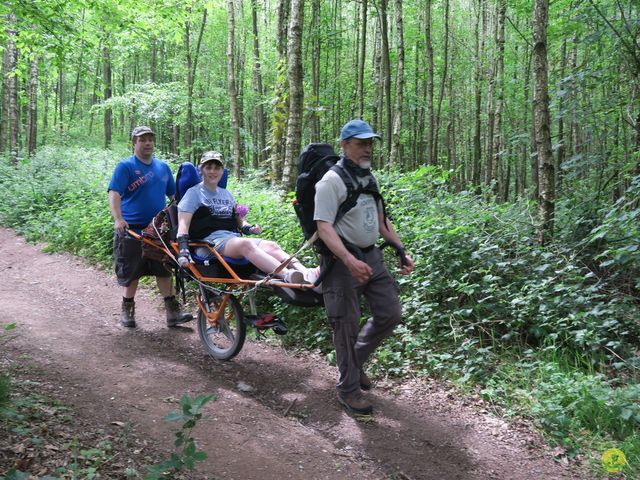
(482,285)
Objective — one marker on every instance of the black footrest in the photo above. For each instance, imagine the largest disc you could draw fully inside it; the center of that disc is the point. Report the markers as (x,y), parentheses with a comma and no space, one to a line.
(265,321)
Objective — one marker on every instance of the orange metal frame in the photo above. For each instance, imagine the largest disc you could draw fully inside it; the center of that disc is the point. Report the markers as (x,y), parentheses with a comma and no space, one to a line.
(235,280)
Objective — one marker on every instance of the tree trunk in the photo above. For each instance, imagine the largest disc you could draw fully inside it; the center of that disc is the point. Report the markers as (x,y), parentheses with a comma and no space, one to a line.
(498,144)
(154,60)
(429,86)
(76,87)
(395,158)
(417,112)
(280,113)
(443,81)
(45,95)
(336,20)
(376,108)
(191,66)
(480,37)
(258,109)
(32,122)
(528,150)
(385,75)
(296,97)
(546,199)
(561,145)
(106,78)
(489,174)
(315,70)
(363,58)
(231,86)
(574,124)
(239,56)
(12,91)
(4,114)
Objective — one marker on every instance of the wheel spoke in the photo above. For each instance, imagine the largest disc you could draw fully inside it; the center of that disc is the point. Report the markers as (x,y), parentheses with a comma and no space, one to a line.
(224,340)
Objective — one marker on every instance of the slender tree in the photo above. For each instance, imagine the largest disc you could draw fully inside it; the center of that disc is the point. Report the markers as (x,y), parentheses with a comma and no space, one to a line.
(443,80)
(4,114)
(480,33)
(362,60)
(429,85)
(385,73)
(32,116)
(280,101)
(258,90)
(296,97)
(12,88)
(395,157)
(498,143)
(106,78)
(231,86)
(191,61)
(315,71)
(546,198)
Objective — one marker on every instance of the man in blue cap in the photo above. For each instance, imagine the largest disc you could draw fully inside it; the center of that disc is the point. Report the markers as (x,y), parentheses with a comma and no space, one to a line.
(137,192)
(355,266)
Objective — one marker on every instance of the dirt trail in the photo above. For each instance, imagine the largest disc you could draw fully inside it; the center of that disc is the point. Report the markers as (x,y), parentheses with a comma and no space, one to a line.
(67,315)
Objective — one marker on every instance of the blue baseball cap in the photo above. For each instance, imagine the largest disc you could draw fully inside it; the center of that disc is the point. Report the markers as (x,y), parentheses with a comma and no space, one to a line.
(357,129)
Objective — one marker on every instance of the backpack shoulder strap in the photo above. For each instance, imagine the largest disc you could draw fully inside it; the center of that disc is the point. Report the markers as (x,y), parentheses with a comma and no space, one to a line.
(353,192)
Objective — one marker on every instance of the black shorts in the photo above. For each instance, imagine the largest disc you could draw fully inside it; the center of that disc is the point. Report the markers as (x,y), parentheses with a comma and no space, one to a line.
(129,264)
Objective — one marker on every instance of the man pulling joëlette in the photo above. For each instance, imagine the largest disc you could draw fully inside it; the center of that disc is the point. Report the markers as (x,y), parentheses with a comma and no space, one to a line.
(363,273)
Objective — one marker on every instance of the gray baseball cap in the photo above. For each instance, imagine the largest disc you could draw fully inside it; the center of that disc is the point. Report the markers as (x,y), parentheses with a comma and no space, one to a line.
(141,130)
(211,156)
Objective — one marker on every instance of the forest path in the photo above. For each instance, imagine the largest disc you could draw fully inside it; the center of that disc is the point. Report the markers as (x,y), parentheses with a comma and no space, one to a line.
(67,329)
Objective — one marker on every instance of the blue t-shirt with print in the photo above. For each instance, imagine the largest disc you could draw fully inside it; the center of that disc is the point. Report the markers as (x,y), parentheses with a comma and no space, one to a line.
(142,188)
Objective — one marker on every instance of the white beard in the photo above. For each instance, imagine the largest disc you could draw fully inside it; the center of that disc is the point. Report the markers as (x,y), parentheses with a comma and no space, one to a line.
(366,164)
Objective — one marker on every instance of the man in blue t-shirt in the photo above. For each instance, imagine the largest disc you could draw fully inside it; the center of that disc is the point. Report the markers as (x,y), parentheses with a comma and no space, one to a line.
(137,193)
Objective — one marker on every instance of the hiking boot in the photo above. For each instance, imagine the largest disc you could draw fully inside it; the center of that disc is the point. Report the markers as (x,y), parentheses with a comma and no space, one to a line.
(365,381)
(128,314)
(175,316)
(355,402)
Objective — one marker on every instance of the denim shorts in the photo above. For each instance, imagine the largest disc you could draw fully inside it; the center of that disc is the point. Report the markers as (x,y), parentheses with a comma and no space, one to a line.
(219,239)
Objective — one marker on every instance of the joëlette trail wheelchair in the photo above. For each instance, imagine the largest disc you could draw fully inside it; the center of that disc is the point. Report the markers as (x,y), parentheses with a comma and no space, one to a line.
(223,284)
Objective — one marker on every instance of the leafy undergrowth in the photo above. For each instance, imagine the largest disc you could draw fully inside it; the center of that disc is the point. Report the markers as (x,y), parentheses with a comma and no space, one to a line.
(42,436)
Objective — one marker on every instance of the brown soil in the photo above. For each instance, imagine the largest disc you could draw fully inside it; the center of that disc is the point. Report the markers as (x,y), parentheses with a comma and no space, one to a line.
(288,426)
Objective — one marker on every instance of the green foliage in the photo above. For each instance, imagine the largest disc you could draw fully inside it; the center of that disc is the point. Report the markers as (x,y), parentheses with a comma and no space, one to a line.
(28,413)
(576,410)
(85,463)
(485,304)
(5,380)
(617,240)
(481,285)
(60,197)
(5,390)
(187,453)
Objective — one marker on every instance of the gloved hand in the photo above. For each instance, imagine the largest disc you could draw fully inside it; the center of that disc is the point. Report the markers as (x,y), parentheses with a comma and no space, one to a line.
(184,255)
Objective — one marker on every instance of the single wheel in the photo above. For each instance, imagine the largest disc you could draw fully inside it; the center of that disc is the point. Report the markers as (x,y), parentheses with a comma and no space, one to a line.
(225,340)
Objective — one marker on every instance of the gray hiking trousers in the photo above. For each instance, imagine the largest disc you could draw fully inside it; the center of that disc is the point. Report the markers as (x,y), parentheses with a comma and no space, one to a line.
(342,294)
